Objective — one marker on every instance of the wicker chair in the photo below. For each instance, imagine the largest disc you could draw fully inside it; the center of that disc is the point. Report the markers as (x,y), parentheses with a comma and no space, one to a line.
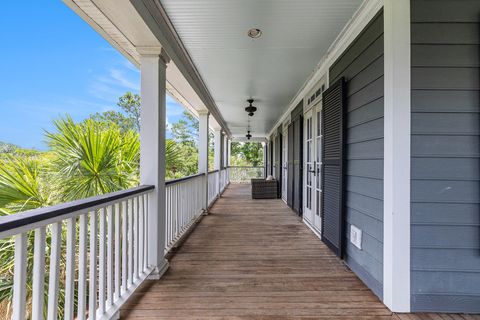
(264,189)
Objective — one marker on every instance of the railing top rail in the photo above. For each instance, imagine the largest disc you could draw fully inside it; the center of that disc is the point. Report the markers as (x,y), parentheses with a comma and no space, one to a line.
(21,219)
(246,167)
(213,171)
(174,181)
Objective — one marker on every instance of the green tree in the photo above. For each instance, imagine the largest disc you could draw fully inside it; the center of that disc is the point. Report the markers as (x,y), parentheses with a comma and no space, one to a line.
(91,159)
(23,186)
(247,153)
(86,159)
(114,117)
(130,104)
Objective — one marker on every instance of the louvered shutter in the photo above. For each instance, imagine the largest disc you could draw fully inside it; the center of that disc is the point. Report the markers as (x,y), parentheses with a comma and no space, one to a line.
(290,167)
(333,168)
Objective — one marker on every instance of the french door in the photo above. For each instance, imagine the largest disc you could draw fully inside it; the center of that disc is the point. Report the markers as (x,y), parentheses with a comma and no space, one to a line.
(308,169)
(318,140)
(284,164)
(313,167)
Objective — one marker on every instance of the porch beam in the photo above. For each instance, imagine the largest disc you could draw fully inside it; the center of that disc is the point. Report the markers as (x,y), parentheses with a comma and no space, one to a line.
(152,150)
(396,189)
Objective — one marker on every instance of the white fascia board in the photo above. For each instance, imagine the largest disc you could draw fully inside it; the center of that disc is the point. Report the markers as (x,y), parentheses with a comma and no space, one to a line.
(365,13)
(98,21)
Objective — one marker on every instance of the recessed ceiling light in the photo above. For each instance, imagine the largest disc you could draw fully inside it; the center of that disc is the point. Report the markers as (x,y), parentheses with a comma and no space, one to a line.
(254,33)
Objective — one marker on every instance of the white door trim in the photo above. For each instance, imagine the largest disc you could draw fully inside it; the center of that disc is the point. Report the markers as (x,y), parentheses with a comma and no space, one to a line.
(396,184)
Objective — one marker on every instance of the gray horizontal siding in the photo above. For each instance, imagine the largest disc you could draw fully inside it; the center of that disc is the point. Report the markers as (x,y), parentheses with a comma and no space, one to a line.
(445,187)
(362,66)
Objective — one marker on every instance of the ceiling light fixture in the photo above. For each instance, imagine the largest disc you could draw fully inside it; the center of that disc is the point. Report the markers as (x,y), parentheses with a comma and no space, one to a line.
(254,33)
(250,109)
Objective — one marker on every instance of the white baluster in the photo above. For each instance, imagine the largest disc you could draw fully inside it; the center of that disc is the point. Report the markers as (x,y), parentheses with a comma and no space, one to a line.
(110,235)
(38,281)
(92,294)
(135,238)
(118,280)
(101,264)
(141,235)
(70,269)
(55,247)
(130,243)
(19,277)
(145,201)
(82,268)
(124,245)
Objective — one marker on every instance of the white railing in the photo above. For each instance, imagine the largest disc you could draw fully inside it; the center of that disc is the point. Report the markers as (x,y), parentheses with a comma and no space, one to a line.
(217,182)
(83,259)
(213,186)
(224,179)
(185,200)
(243,174)
(96,257)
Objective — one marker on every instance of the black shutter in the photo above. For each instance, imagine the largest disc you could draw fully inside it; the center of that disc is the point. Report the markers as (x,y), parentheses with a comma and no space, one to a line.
(278,163)
(290,166)
(333,158)
(271,158)
(297,164)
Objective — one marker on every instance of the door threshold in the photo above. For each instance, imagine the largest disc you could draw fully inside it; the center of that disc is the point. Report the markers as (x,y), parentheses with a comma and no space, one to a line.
(311,227)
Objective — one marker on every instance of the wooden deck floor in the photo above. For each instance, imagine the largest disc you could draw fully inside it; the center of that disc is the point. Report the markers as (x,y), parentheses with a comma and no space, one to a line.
(254,259)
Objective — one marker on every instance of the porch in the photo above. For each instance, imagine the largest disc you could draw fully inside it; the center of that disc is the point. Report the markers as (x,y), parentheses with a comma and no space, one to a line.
(256,259)
(363,130)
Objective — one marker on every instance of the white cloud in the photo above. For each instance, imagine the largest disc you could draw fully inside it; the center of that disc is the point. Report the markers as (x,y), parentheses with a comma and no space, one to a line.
(123,80)
(114,81)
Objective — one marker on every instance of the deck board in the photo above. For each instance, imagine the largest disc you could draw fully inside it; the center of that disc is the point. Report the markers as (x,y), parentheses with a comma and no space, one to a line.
(255,259)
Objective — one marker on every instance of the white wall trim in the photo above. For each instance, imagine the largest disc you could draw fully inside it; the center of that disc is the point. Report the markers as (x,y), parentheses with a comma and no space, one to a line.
(397,129)
(365,13)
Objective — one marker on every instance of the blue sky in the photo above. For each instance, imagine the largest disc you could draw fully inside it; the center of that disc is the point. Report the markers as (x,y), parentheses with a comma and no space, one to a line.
(52,63)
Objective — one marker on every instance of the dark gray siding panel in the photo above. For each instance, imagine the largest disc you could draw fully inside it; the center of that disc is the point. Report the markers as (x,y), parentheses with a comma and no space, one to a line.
(445,187)
(362,66)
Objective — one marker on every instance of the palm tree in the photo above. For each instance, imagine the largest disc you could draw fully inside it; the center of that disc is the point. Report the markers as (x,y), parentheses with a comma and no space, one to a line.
(22,187)
(86,159)
(89,158)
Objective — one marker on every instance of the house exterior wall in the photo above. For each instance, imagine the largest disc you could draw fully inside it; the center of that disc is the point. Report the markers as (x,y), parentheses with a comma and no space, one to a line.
(445,195)
(362,65)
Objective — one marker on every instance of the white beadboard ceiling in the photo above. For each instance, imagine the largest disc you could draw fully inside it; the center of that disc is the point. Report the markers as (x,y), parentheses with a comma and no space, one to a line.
(271,69)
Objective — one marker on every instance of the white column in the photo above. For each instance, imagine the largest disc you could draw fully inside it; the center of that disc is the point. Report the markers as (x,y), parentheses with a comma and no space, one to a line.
(225,151)
(152,151)
(203,150)
(396,184)
(229,151)
(217,141)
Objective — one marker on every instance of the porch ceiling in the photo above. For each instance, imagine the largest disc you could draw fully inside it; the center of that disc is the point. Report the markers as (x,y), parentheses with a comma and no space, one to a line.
(270,69)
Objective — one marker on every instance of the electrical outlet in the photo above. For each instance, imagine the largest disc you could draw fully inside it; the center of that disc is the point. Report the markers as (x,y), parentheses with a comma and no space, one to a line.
(356,236)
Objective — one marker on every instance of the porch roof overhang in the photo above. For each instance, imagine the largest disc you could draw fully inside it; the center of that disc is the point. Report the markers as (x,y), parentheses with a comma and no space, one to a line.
(122,26)
(215,65)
